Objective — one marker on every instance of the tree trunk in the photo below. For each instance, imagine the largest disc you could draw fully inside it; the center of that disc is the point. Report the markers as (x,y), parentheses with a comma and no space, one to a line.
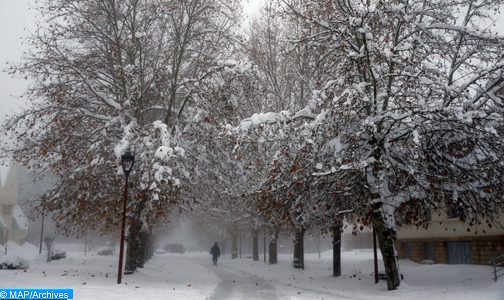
(255,245)
(147,247)
(386,239)
(264,246)
(375,259)
(299,249)
(240,245)
(319,250)
(142,250)
(85,243)
(133,251)
(234,245)
(336,251)
(150,244)
(273,256)
(135,240)
(147,251)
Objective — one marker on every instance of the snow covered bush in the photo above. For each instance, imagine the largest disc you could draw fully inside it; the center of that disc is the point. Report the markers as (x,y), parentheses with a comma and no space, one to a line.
(57,254)
(105,251)
(11,262)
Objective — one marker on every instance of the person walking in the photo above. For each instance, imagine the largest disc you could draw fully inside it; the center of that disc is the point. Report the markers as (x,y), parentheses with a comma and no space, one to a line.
(215,252)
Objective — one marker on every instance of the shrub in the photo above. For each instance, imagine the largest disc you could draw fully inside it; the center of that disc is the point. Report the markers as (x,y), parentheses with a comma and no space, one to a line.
(58,254)
(13,263)
(105,251)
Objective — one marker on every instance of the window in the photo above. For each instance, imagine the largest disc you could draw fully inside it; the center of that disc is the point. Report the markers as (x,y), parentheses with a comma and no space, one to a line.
(459,252)
(429,251)
(406,250)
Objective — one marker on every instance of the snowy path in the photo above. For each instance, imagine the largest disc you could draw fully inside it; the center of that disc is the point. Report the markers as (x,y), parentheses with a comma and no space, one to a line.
(192,276)
(240,281)
(239,285)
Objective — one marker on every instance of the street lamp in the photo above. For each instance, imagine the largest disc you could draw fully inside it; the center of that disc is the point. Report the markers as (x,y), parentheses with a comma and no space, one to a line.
(127,162)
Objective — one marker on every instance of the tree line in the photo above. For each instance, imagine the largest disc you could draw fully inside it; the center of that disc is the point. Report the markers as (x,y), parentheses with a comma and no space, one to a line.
(318,114)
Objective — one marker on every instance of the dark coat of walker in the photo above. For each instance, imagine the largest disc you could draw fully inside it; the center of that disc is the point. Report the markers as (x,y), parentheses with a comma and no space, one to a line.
(215,252)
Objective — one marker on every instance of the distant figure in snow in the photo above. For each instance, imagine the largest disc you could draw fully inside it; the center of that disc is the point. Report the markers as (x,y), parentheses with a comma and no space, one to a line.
(215,252)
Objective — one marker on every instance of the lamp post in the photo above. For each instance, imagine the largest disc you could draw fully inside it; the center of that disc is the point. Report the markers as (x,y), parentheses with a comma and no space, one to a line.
(127,162)
(42,227)
(375,258)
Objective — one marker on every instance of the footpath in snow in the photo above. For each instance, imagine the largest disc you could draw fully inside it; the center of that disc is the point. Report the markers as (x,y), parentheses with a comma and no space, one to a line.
(192,276)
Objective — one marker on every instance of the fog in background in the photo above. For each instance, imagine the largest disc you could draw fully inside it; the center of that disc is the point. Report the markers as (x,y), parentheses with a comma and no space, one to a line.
(195,238)
(193,235)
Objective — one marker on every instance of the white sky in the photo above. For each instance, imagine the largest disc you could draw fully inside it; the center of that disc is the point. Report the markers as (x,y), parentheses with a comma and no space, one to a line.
(15,16)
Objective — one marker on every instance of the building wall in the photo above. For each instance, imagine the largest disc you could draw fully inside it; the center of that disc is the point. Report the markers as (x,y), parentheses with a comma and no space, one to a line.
(481,242)
(482,248)
(442,227)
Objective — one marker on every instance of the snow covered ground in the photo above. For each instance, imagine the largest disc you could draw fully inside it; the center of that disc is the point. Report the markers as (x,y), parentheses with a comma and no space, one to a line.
(192,276)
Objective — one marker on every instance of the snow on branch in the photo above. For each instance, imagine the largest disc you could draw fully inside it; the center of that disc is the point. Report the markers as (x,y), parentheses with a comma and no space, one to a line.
(124,144)
(259,119)
(464,30)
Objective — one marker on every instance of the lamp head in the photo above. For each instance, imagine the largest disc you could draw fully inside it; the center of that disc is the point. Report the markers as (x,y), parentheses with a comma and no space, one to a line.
(127,161)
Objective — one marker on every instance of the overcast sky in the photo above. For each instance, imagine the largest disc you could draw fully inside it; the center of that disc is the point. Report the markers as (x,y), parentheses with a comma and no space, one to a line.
(15,16)
(17,19)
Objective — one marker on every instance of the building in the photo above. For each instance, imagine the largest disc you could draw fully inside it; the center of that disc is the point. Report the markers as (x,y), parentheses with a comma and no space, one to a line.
(447,240)
(13,222)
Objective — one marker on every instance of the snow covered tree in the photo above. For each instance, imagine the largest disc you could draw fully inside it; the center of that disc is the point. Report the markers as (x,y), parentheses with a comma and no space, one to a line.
(110,75)
(287,77)
(293,193)
(288,68)
(406,117)
(408,97)
(219,188)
